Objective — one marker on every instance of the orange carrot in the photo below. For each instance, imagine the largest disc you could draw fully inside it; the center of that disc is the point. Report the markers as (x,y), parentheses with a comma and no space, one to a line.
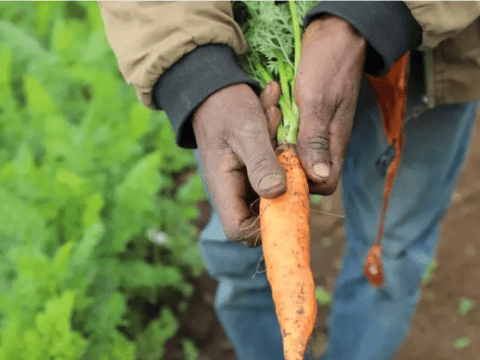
(285,231)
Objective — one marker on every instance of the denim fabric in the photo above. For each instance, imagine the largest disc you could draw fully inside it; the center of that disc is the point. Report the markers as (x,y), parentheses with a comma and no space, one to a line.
(365,323)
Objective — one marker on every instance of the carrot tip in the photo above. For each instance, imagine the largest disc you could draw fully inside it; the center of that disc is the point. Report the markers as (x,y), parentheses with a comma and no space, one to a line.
(373,267)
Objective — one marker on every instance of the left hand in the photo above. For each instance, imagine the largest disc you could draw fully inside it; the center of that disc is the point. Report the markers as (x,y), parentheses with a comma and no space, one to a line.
(326,92)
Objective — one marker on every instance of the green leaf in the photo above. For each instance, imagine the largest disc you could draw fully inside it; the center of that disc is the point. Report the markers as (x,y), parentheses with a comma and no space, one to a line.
(315,199)
(95,48)
(192,191)
(23,44)
(461,343)
(122,348)
(8,172)
(465,305)
(91,238)
(137,274)
(6,59)
(150,343)
(53,336)
(43,16)
(65,38)
(107,313)
(323,296)
(38,98)
(78,184)
(427,275)
(19,222)
(190,351)
(93,15)
(135,198)
(138,120)
(93,206)
(61,260)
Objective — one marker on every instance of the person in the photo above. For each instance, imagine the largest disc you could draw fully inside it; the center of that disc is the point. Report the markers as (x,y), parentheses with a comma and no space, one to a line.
(182,57)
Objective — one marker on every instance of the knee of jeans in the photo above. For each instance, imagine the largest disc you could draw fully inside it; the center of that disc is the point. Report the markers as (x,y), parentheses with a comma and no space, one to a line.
(403,276)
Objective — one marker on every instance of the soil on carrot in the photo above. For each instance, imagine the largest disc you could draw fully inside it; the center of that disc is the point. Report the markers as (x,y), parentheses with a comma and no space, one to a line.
(446,324)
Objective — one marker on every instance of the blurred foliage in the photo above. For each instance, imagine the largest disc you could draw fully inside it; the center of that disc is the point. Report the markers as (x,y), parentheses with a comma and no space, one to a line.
(465,305)
(461,343)
(323,296)
(428,273)
(86,177)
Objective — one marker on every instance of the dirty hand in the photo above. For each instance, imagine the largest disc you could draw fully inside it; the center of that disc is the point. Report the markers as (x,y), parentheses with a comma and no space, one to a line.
(326,92)
(236,144)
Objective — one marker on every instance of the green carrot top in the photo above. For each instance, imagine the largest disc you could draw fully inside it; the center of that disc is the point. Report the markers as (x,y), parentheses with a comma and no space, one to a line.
(274,34)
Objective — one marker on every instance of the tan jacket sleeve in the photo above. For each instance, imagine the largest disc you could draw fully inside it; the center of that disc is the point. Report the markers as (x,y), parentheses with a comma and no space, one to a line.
(147,37)
(442,19)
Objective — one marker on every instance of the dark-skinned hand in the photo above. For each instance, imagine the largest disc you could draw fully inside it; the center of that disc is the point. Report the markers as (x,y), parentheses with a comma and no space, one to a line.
(236,144)
(236,131)
(326,93)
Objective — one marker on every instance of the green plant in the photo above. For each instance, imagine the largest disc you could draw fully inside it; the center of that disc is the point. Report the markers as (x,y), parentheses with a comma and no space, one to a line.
(86,178)
(324,297)
(465,305)
(461,343)
(427,275)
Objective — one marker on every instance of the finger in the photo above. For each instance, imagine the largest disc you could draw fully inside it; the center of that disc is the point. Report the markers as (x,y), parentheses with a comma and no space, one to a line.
(340,129)
(269,99)
(313,141)
(251,142)
(274,118)
(270,95)
(233,197)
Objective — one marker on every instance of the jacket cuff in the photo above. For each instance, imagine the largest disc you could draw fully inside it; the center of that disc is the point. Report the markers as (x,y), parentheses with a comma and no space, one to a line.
(388,27)
(193,78)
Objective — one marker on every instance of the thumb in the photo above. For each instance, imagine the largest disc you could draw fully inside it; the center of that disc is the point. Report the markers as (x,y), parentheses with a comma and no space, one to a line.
(266,174)
(252,144)
(314,144)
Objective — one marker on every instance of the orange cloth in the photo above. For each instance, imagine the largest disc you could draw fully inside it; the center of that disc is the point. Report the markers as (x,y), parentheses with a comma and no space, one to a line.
(390,90)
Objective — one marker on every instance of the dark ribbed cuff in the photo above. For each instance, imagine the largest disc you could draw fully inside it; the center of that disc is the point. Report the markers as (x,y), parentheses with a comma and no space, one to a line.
(388,27)
(188,82)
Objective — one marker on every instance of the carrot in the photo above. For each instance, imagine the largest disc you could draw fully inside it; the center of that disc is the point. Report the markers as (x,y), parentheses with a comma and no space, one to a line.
(284,223)
(274,38)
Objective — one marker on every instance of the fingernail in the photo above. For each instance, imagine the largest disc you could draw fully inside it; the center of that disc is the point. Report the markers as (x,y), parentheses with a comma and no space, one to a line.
(321,170)
(270,181)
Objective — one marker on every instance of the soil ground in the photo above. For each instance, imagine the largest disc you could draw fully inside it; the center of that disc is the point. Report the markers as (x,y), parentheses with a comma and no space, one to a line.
(437,323)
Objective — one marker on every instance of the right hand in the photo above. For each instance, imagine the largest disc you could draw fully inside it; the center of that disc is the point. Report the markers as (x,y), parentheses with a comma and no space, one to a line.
(236,144)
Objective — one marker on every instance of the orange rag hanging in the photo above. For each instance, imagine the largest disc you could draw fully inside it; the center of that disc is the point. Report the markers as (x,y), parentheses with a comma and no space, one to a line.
(390,91)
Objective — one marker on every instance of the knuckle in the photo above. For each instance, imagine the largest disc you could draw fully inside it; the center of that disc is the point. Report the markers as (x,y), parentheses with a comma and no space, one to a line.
(313,146)
(259,168)
(317,144)
(259,164)
(311,100)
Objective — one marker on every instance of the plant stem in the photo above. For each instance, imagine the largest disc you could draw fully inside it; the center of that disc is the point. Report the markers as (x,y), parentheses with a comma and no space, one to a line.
(296,33)
(284,82)
(263,73)
(291,112)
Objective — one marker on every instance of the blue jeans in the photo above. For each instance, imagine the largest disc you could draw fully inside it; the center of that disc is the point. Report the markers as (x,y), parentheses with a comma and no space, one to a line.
(365,323)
